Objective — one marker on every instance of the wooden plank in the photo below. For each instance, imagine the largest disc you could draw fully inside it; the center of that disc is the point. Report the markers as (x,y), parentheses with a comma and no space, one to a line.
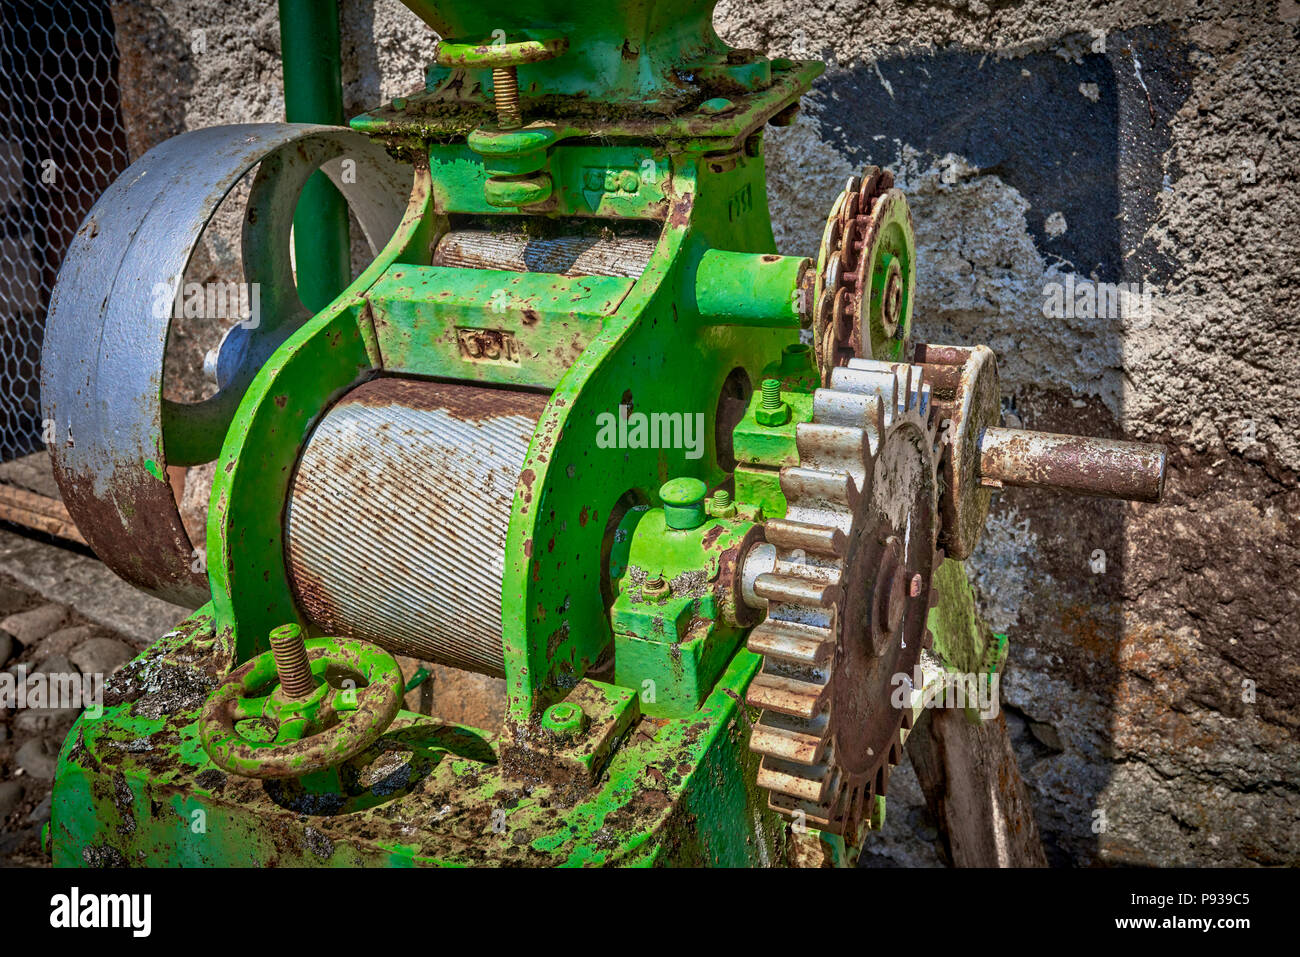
(973,786)
(39,512)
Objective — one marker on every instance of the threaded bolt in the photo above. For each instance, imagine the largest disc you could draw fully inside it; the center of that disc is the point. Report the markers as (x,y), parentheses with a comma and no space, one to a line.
(720,506)
(291,664)
(505,91)
(772,411)
(655,585)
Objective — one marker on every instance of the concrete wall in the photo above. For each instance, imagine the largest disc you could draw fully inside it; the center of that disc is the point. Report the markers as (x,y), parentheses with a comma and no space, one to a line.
(1154,703)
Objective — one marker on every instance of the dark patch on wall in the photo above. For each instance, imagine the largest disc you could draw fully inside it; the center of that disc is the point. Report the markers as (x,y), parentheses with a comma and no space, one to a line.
(1097,162)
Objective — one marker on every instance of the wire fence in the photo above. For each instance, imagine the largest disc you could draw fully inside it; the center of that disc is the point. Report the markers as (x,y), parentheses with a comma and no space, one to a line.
(62,142)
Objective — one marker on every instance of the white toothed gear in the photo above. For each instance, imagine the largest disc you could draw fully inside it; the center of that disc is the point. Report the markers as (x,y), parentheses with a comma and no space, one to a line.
(864,490)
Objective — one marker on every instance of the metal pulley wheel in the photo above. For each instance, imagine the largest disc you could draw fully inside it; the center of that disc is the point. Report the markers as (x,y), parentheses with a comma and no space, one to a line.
(106,333)
(866,275)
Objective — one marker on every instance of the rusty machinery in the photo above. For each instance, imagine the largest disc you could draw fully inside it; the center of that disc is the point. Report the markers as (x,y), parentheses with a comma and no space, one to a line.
(563,429)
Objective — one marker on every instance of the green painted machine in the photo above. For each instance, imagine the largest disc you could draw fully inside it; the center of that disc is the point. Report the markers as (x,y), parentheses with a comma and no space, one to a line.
(576,425)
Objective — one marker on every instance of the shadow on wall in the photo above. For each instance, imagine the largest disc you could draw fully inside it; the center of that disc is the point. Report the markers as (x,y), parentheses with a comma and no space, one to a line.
(1081,133)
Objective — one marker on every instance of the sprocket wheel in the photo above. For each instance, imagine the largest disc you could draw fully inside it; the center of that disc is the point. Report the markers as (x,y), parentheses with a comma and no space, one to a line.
(848,597)
(866,275)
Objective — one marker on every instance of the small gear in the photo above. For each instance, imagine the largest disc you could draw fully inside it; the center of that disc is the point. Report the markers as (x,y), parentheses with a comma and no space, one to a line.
(848,596)
(866,276)
(967,400)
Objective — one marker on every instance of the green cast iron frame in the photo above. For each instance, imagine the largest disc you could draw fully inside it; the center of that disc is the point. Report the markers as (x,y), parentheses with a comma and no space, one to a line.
(638,785)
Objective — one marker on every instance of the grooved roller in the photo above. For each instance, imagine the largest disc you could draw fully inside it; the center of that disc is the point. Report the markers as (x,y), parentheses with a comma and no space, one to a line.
(396,525)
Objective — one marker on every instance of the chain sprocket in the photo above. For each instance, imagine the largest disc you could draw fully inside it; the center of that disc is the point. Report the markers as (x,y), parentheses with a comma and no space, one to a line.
(848,596)
(866,275)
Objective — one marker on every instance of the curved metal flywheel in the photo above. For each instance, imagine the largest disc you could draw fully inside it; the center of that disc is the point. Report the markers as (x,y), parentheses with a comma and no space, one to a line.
(106,334)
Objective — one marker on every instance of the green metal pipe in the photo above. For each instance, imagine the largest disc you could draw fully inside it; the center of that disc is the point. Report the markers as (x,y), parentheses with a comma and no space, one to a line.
(749,289)
(313,93)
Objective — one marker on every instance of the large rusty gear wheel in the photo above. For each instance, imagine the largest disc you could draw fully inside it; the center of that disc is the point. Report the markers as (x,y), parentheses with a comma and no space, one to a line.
(866,275)
(848,596)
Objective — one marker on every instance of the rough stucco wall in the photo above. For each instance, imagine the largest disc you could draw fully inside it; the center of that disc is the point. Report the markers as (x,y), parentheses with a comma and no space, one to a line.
(1027,154)
(1127,686)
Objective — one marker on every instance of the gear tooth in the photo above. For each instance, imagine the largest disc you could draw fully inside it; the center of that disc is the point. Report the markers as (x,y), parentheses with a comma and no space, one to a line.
(820,539)
(808,592)
(924,406)
(878,427)
(802,782)
(789,744)
(833,448)
(792,641)
(814,815)
(903,387)
(867,377)
(801,699)
(835,490)
(852,378)
(837,407)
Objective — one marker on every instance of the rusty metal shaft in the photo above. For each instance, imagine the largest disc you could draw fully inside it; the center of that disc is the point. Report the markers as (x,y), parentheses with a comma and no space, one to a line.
(291,663)
(505,92)
(1072,463)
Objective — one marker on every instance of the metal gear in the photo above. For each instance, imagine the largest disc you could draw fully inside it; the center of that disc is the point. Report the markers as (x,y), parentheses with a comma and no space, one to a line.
(848,595)
(967,400)
(866,275)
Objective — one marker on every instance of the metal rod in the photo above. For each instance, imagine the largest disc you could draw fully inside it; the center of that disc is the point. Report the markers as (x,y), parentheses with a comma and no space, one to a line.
(313,93)
(1071,463)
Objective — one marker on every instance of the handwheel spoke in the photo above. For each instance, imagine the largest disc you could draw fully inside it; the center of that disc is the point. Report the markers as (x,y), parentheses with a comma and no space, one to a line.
(295,729)
(246,708)
(346,699)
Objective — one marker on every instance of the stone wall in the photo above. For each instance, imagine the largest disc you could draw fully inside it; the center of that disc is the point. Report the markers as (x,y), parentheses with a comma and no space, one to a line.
(1043,146)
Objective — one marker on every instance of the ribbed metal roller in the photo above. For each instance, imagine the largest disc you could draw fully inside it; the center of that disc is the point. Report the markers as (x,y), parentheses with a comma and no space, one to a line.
(398,512)
(562,255)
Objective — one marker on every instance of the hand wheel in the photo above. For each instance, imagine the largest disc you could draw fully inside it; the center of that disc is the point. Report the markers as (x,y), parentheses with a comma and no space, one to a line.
(303,706)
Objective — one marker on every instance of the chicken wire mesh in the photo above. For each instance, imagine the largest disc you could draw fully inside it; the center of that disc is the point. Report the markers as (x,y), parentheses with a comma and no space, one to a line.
(62,142)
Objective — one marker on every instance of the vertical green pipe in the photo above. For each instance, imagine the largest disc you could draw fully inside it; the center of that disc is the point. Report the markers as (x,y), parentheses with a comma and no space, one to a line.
(313,93)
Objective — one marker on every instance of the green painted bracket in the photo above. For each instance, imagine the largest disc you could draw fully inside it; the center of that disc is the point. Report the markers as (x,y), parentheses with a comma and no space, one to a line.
(326,356)
(484,325)
(652,355)
(134,786)
(610,182)
(674,615)
(686,123)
